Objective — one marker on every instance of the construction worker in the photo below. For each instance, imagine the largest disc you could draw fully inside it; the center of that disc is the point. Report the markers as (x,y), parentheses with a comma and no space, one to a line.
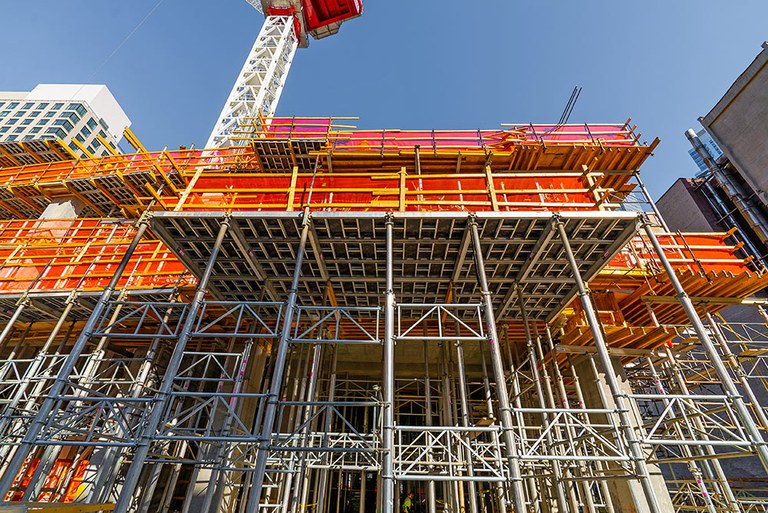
(408,503)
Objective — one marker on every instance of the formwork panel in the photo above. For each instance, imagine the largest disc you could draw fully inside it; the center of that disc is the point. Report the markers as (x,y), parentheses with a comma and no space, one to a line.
(432,251)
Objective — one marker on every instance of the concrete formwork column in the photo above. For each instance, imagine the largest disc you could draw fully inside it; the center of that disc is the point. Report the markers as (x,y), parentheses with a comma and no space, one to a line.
(125,499)
(505,412)
(600,466)
(652,496)
(748,423)
(46,408)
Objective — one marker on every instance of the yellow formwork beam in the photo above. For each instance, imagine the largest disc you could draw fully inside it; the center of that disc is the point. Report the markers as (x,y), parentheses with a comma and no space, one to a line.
(82,148)
(134,141)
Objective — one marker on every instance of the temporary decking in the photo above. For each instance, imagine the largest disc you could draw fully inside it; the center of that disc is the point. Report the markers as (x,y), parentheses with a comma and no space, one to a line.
(327,318)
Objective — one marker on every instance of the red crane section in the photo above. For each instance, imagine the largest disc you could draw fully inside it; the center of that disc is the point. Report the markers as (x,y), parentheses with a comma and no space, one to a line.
(321,13)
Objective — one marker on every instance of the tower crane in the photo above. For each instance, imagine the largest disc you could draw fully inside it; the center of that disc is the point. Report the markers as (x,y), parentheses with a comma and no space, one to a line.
(287,27)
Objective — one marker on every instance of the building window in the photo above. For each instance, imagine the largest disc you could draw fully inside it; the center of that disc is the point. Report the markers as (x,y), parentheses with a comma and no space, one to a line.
(26,122)
(104,124)
(43,122)
(50,114)
(80,138)
(13,105)
(91,123)
(27,105)
(35,130)
(81,110)
(58,132)
(19,130)
(74,117)
(3,130)
(36,113)
(13,121)
(86,132)
(57,106)
(43,105)
(28,138)
(4,113)
(2,103)
(102,134)
(66,124)
(11,138)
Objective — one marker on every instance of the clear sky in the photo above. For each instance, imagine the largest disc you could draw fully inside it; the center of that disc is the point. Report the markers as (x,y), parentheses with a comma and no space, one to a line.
(405,63)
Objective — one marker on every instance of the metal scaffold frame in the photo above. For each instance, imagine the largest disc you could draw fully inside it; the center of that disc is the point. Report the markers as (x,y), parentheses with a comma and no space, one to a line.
(312,357)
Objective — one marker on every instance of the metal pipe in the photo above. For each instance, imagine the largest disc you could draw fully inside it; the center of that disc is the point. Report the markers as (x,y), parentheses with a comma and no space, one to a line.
(431,493)
(693,466)
(734,190)
(650,201)
(586,492)
(505,412)
(323,478)
(388,434)
(308,412)
(753,432)
(123,503)
(738,370)
(465,421)
(533,361)
(636,450)
(68,366)
(679,377)
(283,346)
(21,306)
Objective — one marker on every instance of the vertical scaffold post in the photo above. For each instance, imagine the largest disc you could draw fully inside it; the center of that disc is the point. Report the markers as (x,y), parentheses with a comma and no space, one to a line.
(388,429)
(283,345)
(68,366)
(636,451)
(126,497)
(505,412)
(758,444)
(557,473)
(21,305)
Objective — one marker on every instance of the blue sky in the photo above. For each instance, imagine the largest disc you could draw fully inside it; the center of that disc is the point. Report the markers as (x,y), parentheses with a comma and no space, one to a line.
(405,64)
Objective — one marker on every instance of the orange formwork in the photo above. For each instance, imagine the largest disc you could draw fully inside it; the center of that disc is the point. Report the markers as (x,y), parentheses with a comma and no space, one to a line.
(80,254)
(538,167)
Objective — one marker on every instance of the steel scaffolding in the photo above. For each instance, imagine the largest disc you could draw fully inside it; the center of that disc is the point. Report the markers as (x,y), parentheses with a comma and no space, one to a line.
(328,319)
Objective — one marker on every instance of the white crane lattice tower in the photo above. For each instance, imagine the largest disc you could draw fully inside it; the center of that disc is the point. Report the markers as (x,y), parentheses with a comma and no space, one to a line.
(260,83)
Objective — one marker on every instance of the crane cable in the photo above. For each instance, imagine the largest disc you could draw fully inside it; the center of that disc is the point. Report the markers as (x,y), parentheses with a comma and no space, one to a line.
(127,38)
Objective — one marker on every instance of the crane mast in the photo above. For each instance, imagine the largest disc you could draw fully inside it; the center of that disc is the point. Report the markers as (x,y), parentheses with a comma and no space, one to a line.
(260,83)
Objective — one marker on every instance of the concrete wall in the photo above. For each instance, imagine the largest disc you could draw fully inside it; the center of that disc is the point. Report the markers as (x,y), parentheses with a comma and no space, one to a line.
(739,124)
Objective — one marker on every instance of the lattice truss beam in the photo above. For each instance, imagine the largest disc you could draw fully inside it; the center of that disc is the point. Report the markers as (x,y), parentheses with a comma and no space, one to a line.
(260,83)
